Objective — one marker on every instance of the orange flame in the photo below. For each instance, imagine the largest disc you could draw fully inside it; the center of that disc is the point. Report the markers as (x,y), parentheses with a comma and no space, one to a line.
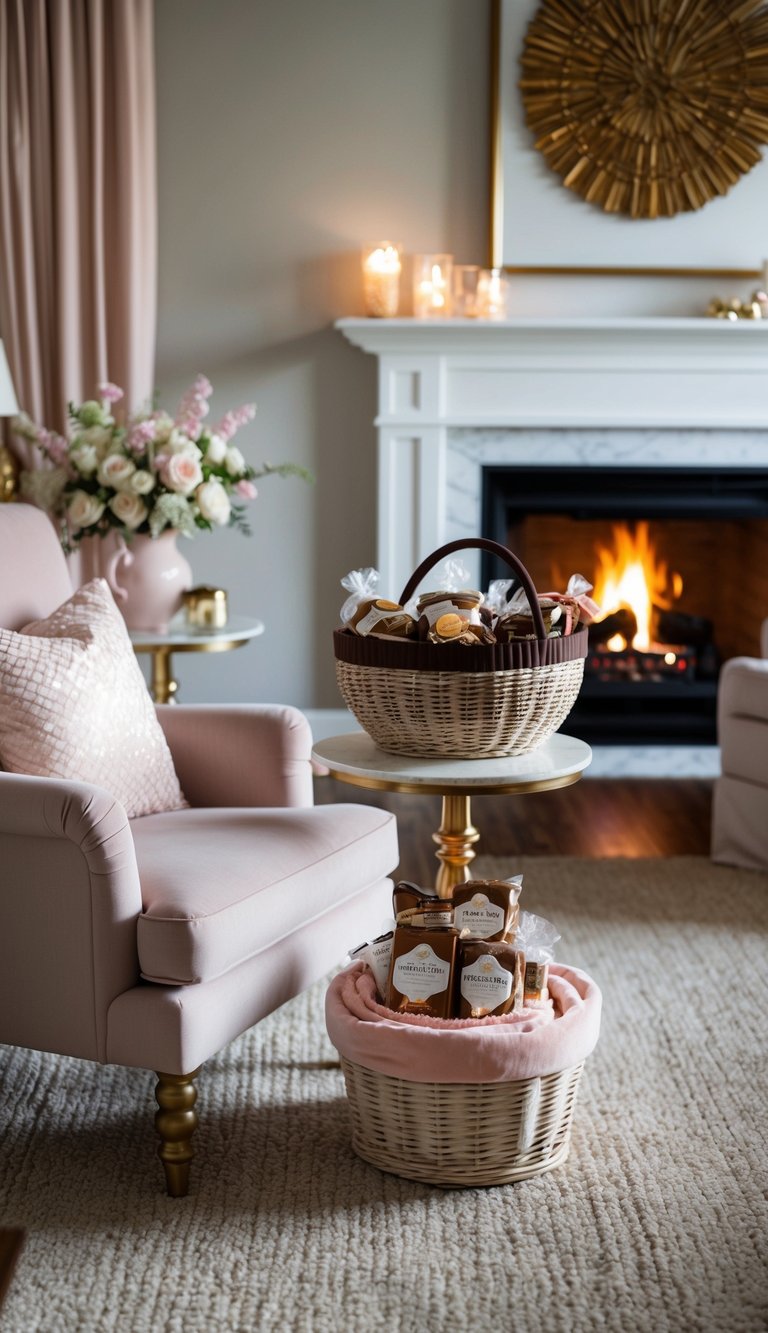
(631,576)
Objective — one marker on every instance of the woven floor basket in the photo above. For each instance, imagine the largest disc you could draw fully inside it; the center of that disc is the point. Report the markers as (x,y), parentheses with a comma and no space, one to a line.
(460,701)
(455,1134)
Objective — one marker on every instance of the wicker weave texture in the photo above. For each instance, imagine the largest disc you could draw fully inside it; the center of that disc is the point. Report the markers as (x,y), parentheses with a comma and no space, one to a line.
(456,1134)
(472,715)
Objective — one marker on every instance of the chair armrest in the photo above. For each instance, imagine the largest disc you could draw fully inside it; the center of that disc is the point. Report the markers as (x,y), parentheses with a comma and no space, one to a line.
(240,755)
(743,689)
(69,901)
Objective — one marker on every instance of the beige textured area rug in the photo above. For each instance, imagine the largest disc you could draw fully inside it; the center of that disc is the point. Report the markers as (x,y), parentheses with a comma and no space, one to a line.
(656,1222)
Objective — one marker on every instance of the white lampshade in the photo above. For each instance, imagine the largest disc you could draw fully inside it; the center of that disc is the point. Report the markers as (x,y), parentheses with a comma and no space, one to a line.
(8,405)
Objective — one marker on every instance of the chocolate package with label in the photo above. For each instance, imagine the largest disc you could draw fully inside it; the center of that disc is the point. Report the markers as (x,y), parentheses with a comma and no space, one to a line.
(415,906)
(377,954)
(486,909)
(490,979)
(421,974)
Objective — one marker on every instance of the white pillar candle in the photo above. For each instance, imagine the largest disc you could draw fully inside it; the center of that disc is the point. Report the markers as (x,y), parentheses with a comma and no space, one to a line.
(381,279)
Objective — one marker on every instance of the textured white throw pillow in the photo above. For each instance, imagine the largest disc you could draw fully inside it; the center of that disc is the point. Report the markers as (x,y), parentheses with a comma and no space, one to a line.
(73,704)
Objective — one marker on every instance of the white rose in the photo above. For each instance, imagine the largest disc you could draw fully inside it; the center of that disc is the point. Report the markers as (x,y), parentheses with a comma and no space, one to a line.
(216,450)
(85,458)
(98,436)
(181,473)
(179,443)
(213,502)
(83,509)
(142,482)
(129,508)
(116,471)
(234,461)
(163,427)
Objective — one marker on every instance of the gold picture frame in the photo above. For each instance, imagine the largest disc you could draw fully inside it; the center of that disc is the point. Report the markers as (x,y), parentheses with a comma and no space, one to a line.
(518,171)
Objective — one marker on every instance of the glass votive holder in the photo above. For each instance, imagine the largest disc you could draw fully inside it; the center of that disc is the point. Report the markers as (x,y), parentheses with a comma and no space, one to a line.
(382,265)
(492,293)
(432,286)
(465,280)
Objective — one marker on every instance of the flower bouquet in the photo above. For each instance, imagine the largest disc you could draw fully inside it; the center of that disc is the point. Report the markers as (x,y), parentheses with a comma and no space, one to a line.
(145,473)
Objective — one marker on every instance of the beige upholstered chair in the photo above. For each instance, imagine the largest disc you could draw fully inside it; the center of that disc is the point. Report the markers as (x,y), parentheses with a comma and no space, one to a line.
(740,808)
(230,907)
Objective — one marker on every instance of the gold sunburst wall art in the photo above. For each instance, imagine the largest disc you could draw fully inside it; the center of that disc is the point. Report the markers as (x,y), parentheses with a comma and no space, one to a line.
(648,108)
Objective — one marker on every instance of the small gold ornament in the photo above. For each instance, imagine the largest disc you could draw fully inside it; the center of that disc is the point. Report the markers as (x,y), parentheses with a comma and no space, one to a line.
(755,308)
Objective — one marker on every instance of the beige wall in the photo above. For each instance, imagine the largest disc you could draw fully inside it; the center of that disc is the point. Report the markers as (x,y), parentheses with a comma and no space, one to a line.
(290,132)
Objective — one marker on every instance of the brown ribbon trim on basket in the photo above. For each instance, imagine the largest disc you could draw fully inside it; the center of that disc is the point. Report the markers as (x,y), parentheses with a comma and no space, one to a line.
(412,655)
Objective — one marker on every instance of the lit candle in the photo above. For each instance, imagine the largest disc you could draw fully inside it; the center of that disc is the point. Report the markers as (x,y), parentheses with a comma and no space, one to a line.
(381,279)
(492,293)
(432,285)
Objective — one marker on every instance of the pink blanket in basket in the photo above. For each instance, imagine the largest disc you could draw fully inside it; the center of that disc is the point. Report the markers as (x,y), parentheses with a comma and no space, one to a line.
(543,1039)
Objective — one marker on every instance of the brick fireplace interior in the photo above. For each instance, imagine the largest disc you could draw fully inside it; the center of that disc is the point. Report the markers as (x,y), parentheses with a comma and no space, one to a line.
(707,530)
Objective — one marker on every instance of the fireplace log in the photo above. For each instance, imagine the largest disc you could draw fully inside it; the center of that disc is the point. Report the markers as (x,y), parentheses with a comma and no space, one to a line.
(619,622)
(679,627)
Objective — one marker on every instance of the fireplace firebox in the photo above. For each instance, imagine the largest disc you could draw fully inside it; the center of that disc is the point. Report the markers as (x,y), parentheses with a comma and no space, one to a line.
(696,538)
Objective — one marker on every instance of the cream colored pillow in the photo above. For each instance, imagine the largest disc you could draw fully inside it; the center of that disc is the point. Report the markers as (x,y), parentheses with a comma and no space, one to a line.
(73,704)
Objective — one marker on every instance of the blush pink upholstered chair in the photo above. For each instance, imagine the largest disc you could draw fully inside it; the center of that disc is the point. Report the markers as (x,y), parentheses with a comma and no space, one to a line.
(740,806)
(230,907)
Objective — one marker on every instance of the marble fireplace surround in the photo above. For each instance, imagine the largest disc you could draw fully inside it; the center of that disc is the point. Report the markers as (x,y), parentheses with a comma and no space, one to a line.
(456,395)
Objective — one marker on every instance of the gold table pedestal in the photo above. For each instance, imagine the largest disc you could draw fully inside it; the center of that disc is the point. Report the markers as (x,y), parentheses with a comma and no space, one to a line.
(355,759)
(455,840)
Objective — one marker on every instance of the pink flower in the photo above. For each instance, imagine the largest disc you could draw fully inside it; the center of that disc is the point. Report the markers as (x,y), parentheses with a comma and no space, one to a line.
(246,489)
(54,445)
(232,421)
(181,473)
(110,393)
(140,435)
(193,407)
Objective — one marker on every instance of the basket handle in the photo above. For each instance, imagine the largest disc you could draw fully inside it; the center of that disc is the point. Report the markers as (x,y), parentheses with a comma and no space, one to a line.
(495,548)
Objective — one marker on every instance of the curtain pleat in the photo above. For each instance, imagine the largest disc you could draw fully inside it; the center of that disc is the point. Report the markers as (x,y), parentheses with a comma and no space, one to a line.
(78,199)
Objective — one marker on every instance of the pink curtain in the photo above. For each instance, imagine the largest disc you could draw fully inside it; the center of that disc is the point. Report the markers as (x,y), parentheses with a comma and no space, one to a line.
(78,262)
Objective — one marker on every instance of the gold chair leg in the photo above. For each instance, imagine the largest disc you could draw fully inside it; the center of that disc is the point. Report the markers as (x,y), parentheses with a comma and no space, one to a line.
(176,1122)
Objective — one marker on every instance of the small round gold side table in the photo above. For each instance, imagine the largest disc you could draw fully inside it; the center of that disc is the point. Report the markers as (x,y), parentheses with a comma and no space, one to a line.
(354,758)
(183,638)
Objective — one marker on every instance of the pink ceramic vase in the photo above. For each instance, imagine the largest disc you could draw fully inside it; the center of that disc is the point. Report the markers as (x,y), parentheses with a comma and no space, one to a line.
(147,579)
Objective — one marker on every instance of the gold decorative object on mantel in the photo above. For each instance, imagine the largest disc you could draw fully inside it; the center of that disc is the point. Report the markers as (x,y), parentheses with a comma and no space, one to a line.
(755,308)
(648,108)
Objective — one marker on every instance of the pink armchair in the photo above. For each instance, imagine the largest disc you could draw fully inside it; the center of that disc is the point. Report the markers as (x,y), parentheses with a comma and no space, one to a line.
(155,941)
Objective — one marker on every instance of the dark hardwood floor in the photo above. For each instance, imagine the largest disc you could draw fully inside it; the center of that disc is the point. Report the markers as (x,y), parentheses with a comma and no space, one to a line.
(595,817)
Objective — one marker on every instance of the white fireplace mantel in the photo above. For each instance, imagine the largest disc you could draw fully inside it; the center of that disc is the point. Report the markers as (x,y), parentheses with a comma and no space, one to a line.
(685,388)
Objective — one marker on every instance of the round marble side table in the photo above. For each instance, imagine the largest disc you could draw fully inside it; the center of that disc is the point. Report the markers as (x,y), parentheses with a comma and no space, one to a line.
(183,638)
(354,758)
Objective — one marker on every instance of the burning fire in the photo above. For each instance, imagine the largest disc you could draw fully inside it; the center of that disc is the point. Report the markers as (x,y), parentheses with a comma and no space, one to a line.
(631,576)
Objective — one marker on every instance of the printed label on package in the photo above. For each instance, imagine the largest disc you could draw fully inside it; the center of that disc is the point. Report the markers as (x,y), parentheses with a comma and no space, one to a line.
(420,973)
(485,984)
(479,916)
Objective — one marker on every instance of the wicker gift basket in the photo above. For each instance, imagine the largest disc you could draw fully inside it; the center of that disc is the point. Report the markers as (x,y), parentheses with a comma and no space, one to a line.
(455,700)
(491,1132)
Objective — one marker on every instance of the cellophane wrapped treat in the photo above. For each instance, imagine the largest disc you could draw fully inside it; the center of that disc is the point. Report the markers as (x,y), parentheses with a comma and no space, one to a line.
(536,937)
